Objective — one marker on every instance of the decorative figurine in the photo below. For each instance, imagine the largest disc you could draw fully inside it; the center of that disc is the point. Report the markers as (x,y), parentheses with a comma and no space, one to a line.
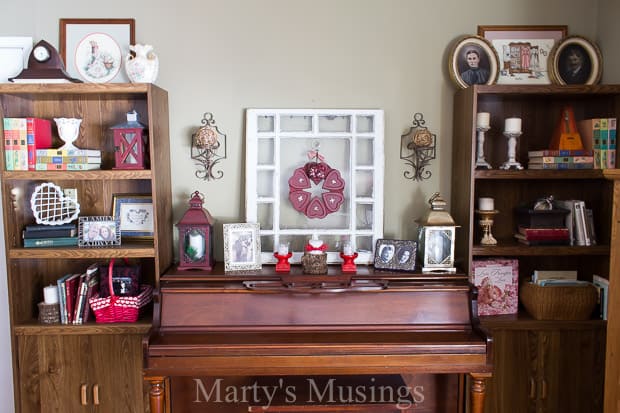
(348,257)
(144,67)
(283,255)
(314,260)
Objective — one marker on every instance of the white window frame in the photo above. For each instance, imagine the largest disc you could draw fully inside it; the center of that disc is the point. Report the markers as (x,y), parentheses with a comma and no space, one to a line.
(376,199)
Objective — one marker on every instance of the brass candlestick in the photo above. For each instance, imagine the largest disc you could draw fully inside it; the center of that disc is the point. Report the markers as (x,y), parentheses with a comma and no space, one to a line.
(486,223)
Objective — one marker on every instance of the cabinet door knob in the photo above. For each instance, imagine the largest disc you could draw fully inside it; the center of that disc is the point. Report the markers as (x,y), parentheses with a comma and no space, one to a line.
(544,389)
(532,388)
(96,394)
(83,394)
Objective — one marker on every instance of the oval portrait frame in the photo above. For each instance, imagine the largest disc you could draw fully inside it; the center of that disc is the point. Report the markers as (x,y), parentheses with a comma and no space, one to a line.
(457,61)
(559,71)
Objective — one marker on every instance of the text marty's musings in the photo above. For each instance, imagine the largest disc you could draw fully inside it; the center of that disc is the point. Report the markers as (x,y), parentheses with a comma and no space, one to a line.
(329,392)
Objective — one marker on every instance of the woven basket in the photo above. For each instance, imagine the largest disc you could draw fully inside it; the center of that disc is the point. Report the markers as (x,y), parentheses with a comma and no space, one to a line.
(558,302)
(118,309)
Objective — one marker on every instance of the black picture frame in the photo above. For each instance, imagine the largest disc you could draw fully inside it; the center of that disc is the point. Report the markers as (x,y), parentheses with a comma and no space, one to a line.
(576,61)
(395,255)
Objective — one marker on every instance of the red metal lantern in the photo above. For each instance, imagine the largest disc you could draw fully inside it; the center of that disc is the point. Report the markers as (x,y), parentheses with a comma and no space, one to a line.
(196,237)
(130,143)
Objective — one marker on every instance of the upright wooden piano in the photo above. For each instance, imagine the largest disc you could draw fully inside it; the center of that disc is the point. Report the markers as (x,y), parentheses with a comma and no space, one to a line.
(225,333)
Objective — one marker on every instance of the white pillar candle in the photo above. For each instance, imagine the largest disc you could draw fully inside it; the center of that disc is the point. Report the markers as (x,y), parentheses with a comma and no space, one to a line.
(512,125)
(283,249)
(347,249)
(483,119)
(486,204)
(50,294)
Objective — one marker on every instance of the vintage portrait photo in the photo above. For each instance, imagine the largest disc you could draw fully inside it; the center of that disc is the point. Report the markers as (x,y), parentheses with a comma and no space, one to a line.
(576,61)
(438,248)
(241,247)
(473,61)
(395,255)
(99,231)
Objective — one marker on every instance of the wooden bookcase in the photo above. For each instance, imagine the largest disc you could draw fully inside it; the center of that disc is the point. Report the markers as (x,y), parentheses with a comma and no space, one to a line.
(54,364)
(531,356)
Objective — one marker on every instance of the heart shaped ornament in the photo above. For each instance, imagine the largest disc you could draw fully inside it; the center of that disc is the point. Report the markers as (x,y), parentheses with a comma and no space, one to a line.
(299,180)
(333,181)
(50,206)
(317,171)
(299,200)
(316,208)
(332,201)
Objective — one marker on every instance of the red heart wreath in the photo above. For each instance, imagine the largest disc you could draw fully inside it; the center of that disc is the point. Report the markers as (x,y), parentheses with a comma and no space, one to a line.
(302,200)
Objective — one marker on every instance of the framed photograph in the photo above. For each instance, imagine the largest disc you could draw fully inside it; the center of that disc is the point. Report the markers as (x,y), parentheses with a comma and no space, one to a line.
(242,247)
(98,231)
(438,249)
(14,54)
(134,213)
(395,255)
(94,49)
(523,51)
(473,61)
(576,61)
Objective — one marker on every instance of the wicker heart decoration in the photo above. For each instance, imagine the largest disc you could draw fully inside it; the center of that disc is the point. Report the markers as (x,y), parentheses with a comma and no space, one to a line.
(50,206)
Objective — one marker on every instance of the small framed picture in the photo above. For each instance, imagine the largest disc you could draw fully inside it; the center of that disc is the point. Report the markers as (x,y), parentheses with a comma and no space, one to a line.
(94,49)
(241,247)
(576,61)
(98,231)
(134,213)
(395,255)
(523,51)
(473,61)
(14,54)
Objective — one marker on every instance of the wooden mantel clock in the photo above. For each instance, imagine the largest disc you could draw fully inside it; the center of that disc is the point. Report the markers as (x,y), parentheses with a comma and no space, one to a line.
(44,66)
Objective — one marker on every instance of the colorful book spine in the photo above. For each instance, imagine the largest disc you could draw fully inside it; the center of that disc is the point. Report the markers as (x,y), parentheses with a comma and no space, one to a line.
(51,233)
(590,131)
(604,142)
(50,242)
(17,145)
(543,233)
(611,151)
(9,163)
(39,135)
(69,152)
(62,298)
(66,166)
(68,159)
(561,165)
(561,152)
(561,159)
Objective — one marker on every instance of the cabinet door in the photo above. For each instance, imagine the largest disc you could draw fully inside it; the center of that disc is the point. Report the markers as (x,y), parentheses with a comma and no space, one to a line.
(55,369)
(572,363)
(513,385)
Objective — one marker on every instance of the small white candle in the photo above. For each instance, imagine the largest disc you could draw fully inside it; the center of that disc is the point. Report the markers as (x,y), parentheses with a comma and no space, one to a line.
(347,249)
(50,294)
(283,249)
(512,125)
(486,204)
(483,119)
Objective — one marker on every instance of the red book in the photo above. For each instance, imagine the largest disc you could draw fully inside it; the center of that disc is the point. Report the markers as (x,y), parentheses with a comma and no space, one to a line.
(39,136)
(544,233)
(71,286)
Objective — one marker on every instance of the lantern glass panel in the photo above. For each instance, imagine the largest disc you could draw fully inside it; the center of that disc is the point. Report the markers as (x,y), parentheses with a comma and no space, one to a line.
(195,245)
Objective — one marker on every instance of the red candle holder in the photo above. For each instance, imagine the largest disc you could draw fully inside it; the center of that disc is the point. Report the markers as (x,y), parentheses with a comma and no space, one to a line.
(283,265)
(348,265)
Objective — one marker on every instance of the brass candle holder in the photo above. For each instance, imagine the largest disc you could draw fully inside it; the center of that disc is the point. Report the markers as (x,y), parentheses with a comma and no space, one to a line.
(486,223)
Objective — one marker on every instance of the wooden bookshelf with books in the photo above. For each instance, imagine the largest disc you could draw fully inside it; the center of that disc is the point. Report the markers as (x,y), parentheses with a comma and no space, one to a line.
(528,352)
(43,347)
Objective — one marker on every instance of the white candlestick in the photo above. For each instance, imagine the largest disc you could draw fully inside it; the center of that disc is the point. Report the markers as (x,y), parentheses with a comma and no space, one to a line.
(512,125)
(486,204)
(50,294)
(283,249)
(483,119)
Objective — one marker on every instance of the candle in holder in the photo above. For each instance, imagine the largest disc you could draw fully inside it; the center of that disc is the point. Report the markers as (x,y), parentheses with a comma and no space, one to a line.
(347,249)
(483,119)
(283,249)
(50,294)
(486,204)
(512,125)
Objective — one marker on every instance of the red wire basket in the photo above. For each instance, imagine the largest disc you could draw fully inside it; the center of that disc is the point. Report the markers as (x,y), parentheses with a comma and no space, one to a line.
(119,309)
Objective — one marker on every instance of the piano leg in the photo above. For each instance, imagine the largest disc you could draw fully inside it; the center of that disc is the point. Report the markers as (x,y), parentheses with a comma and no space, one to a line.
(477,391)
(156,394)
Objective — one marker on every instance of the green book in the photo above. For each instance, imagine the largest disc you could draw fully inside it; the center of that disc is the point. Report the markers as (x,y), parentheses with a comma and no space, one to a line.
(50,242)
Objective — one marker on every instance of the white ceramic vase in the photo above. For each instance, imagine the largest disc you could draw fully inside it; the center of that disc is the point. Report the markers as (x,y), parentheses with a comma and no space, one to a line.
(68,130)
(144,67)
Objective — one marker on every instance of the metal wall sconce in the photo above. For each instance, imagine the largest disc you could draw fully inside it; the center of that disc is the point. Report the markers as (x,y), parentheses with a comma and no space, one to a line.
(417,149)
(208,148)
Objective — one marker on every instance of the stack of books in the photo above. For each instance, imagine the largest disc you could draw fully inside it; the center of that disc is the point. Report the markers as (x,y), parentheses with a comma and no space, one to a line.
(74,291)
(542,236)
(579,221)
(67,159)
(561,159)
(22,137)
(40,235)
(599,135)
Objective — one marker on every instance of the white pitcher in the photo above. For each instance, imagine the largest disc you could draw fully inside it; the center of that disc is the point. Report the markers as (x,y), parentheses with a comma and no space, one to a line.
(144,67)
